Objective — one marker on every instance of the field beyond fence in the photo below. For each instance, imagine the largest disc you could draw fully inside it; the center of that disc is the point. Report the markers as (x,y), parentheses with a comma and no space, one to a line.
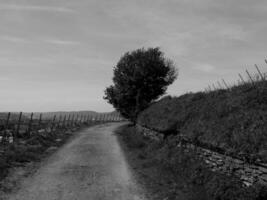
(28,137)
(18,125)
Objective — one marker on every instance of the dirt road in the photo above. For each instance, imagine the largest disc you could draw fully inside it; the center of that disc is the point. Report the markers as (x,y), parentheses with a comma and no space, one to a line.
(90,167)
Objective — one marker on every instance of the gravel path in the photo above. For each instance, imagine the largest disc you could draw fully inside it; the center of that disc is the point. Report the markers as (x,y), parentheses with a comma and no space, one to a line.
(90,167)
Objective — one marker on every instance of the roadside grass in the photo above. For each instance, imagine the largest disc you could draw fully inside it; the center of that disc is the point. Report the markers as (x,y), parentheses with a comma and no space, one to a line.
(168,172)
(29,149)
(233,121)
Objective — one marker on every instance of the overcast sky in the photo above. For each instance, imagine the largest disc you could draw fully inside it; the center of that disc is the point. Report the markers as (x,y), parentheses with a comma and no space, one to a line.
(59,54)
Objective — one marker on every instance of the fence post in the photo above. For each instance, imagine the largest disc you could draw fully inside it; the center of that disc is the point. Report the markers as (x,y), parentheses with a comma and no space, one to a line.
(210,88)
(18,126)
(104,118)
(225,84)
(84,118)
(262,77)
(64,120)
(250,78)
(81,119)
(40,120)
(76,119)
(68,121)
(88,118)
(219,84)
(59,121)
(6,127)
(7,120)
(242,78)
(30,125)
(72,120)
(53,123)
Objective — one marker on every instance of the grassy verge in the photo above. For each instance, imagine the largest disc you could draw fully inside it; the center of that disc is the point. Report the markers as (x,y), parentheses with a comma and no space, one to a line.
(168,172)
(29,149)
(232,120)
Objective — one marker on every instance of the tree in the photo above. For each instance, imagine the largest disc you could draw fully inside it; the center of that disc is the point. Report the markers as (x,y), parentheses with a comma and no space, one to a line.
(140,77)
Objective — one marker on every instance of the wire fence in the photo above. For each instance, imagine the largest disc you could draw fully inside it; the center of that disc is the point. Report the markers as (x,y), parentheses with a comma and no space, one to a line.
(250,79)
(24,125)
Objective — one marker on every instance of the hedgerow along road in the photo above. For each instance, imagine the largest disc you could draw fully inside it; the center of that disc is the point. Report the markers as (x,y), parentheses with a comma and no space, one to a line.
(91,166)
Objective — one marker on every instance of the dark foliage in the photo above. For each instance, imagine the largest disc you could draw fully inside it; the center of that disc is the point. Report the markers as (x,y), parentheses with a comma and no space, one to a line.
(140,77)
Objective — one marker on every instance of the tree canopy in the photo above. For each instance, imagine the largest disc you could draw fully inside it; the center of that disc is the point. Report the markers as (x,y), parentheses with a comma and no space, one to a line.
(140,77)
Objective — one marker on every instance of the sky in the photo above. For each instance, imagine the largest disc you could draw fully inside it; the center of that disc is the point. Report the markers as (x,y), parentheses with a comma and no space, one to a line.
(59,54)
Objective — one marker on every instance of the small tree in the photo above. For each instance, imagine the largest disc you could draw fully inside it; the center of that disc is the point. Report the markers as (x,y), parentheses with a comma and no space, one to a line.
(140,77)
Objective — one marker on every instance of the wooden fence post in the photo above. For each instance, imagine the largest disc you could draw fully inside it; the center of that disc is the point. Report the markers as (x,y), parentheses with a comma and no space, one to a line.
(30,125)
(4,140)
(72,120)
(104,118)
(219,84)
(7,120)
(53,123)
(81,117)
(225,84)
(242,78)
(18,126)
(64,120)
(76,120)
(210,88)
(214,86)
(250,77)
(262,77)
(40,120)
(59,121)
(68,121)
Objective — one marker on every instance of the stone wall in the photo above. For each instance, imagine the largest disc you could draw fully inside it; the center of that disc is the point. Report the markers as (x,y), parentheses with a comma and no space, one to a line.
(248,173)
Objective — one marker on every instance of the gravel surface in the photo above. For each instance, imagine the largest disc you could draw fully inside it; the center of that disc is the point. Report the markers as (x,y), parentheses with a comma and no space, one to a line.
(92,166)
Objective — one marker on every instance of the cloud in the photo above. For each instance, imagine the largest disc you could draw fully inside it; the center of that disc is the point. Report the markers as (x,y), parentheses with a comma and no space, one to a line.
(35,8)
(16,39)
(61,42)
(204,68)
(4,79)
